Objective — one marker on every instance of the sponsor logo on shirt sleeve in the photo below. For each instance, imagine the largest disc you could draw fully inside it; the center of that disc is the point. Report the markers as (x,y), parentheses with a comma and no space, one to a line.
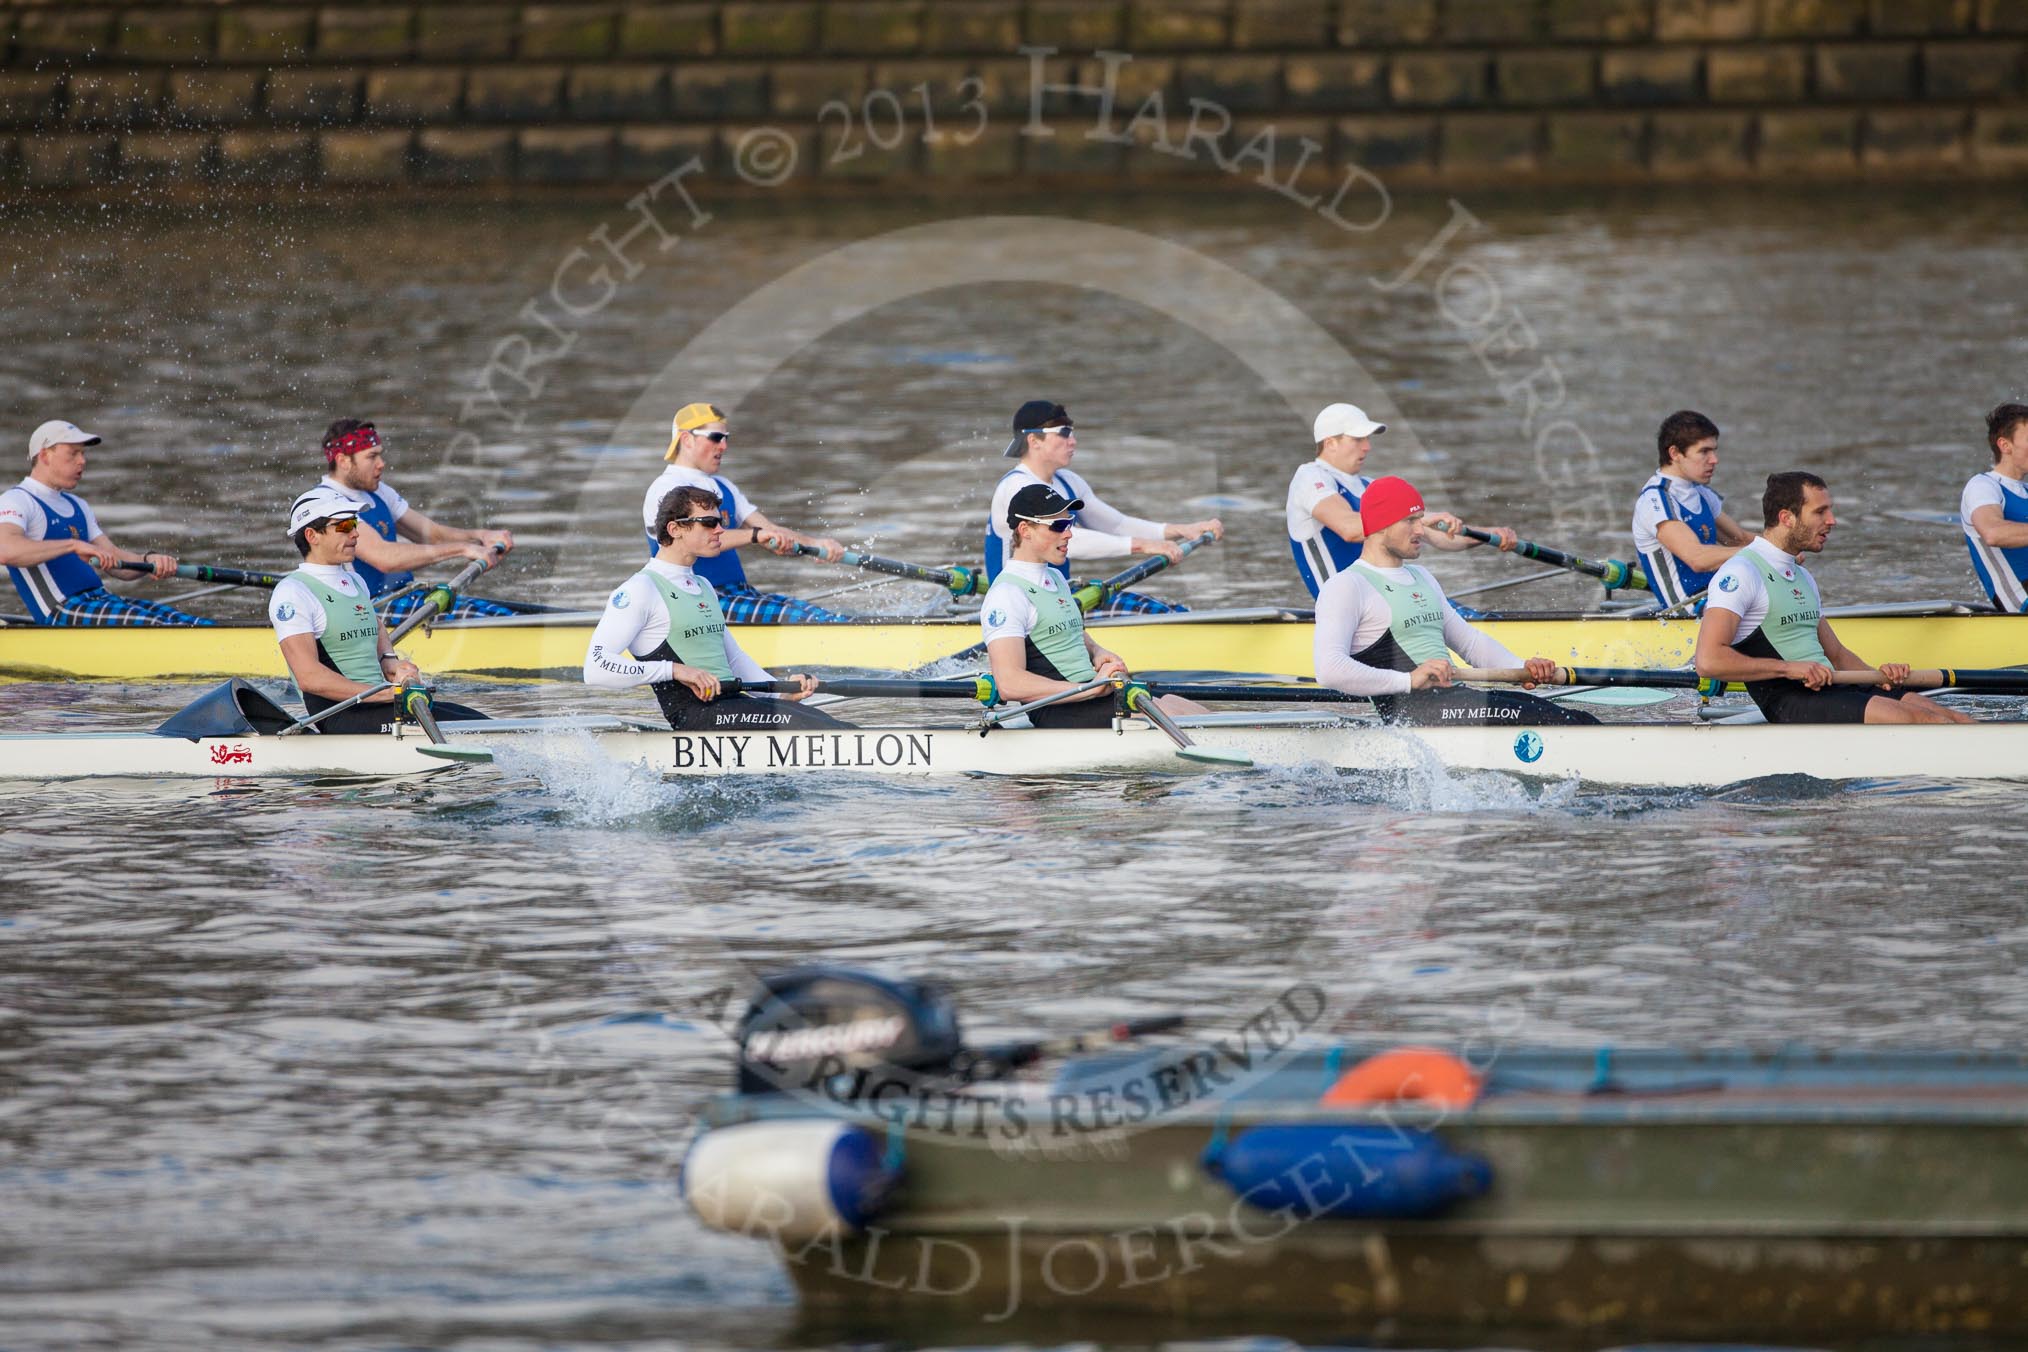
(620,601)
(285,612)
(1728,583)
(996,617)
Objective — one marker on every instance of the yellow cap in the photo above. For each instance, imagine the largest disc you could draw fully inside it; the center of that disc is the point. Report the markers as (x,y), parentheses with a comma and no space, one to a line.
(689,418)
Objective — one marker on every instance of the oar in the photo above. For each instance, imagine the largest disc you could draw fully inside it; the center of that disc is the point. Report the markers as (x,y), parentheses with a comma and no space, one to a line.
(1141,700)
(1606,676)
(304,723)
(1990,681)
(1092,595)
(207,572)
(994,717)
(1613,572)
(442,598)
(960,581)
(416,704)
(977,687)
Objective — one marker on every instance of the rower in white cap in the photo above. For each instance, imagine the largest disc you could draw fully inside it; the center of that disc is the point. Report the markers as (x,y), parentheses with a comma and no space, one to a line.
(323,616)
(52,544)
(1323,507)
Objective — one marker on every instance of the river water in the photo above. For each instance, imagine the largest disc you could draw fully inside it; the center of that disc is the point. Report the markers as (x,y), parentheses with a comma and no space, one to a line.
(413,1064)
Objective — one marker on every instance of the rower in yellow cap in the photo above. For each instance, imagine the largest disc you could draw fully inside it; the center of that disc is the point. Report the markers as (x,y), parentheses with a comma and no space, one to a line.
(698,439)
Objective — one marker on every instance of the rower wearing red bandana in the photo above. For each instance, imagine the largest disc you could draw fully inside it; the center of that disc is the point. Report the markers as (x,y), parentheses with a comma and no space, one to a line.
(401,539)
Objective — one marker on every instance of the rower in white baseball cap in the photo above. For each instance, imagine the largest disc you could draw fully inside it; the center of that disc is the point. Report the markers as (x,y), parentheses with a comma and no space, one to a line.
(52,544)
(334,643)
(1323,504)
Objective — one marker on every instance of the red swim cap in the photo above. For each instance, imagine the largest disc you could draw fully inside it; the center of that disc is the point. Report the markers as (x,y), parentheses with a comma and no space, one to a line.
(1385,502)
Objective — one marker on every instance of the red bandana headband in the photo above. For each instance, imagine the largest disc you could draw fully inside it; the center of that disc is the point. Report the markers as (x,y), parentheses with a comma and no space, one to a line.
(363,438)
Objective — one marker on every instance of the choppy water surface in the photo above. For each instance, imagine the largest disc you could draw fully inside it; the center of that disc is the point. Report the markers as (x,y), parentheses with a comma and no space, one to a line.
(345,1066)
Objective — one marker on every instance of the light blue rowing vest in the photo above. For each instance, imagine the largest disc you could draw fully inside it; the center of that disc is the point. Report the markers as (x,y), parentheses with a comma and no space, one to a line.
(1661,566)
(67,573)
(995,551)
(1327,546)
(723,570)
(377,515)
(2014,507)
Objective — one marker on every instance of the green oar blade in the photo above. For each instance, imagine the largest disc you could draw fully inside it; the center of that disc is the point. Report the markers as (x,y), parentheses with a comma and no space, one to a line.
(1615,697)
(1211,755)
(463,755)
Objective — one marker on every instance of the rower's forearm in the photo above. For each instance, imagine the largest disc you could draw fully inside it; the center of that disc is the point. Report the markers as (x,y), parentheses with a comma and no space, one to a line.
(1735,666)
(2004,534)
(26,553)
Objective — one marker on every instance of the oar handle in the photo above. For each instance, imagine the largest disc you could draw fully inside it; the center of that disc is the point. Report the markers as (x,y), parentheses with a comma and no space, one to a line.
(1092,595)
(978,687)
(443,597)
(207,572)
(1615,676)
(960,580)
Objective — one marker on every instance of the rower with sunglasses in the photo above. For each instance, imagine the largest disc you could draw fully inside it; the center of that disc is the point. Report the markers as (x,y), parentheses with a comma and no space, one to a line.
(1045,441)
(1034,629)
(663,628)
(698,438)
(334,643)
(401,538)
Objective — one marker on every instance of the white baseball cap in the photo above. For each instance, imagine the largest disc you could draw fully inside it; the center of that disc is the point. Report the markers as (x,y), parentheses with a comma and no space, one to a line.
(57,432)
(1345,420)
(320,503)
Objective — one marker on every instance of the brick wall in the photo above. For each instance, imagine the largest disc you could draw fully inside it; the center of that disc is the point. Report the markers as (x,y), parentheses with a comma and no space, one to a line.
(593,91)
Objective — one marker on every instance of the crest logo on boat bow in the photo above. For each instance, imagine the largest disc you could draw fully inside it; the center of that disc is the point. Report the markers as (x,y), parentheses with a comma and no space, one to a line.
(1528,747)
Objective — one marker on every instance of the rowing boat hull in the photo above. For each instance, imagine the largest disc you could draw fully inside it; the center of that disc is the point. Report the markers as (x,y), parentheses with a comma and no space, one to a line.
(1849,1194)
(1637,755)
(1269,643)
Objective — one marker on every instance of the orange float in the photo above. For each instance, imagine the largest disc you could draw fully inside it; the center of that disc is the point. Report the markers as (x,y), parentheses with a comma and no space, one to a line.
(1421,1074)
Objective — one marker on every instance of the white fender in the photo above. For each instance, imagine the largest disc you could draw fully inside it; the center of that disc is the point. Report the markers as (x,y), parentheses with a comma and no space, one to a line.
(789,1180)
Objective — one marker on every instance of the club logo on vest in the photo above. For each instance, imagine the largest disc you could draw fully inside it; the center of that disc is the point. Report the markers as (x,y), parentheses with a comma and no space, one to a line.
(690,584)
(1528,747)
(1799,593)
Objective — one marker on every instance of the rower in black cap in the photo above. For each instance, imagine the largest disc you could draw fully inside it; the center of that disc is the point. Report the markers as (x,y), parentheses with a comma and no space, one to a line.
(1044,442)
(1034,630)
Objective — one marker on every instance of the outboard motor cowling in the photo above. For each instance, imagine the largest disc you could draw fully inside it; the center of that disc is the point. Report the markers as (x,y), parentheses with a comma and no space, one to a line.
(812,1024)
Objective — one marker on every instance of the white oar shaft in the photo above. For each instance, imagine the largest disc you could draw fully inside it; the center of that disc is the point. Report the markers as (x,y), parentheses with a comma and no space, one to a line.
(993,717)
(340,707)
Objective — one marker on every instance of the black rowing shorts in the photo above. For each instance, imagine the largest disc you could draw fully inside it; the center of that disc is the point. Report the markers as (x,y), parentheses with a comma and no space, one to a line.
(1794,702)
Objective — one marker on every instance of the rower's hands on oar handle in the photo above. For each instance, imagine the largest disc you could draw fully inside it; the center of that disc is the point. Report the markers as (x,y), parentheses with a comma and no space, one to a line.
(1813,675)
(1107,665)
(806,686)
(502,540)
(105,559)
(1452,524)
(1436,672)
(401,672)
(1895,672)
(1190,530)
(1540,670)
(1143,545)
(781,542)
(699,682)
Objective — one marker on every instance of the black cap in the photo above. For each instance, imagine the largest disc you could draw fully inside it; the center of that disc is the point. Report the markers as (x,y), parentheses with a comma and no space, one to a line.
(1030,416)
(1039,500)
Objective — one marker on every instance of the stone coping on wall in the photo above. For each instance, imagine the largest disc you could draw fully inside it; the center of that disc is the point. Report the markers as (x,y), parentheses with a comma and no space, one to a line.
(448,94)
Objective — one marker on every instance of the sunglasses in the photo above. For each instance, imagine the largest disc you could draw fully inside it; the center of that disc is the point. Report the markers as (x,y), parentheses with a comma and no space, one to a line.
(344,525)
(1066,431)
(708,522)
(1057,525)
(712,436)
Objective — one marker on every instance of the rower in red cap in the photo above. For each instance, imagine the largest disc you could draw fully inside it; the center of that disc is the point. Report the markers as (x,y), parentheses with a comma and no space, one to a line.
(1385,631)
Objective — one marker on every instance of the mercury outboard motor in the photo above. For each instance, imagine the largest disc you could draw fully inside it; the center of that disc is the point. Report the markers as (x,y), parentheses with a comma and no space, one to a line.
(811,1026)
